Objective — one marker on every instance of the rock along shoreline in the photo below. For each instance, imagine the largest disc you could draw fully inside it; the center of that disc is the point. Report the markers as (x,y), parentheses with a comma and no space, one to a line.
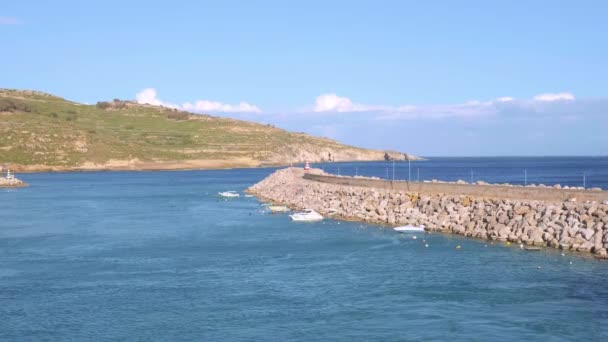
(11,183)
(566,224)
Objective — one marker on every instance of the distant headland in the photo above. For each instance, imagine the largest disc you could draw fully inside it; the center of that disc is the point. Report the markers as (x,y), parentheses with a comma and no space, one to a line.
(43,132)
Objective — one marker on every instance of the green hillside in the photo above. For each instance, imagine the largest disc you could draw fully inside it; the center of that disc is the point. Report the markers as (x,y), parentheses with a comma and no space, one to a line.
(39,131)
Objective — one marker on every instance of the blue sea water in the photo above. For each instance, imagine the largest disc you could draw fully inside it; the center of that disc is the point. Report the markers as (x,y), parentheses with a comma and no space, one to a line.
(572,171)
(156,256)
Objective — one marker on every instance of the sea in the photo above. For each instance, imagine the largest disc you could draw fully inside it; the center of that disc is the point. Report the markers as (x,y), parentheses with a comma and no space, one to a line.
(158,256)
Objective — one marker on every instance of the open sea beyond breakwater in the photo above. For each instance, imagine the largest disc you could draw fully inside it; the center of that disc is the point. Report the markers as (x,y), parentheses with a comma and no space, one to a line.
(158,256)
(566,171)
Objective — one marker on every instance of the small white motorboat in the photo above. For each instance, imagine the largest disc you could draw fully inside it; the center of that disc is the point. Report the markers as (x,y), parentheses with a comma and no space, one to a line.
(229,194)
(306,215)
(408,228)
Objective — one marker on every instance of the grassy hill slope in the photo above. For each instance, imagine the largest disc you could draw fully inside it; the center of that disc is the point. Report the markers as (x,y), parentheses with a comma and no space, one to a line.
(40,132)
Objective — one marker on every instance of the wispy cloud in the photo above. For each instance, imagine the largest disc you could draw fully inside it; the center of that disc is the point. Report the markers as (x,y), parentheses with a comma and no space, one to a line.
(213,106)
(542,103)
(150,96)
(332,103)
(550,97)
(9,21)
(330,108)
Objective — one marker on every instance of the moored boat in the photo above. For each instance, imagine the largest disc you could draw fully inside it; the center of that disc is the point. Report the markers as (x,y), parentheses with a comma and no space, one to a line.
(306,215)
(229,194)
(409,228)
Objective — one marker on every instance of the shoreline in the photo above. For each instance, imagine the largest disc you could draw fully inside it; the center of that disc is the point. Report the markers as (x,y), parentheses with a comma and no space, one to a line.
(189,165)
(568,225)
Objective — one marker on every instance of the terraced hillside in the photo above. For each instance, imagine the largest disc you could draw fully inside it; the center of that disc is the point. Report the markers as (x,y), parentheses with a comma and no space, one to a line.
(41,132)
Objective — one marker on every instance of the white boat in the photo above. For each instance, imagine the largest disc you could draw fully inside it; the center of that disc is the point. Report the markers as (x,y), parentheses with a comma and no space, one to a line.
(306,215)
(408,228)
(229,194)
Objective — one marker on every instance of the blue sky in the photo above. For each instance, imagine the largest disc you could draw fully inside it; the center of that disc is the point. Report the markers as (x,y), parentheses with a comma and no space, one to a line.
(426,77)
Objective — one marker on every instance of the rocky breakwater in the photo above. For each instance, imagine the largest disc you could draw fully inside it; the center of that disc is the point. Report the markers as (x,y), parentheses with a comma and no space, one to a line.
(11,183)
(569,225)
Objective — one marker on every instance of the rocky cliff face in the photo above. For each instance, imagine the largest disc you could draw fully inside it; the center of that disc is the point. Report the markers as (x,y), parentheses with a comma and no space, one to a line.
(567,225)
(334,152)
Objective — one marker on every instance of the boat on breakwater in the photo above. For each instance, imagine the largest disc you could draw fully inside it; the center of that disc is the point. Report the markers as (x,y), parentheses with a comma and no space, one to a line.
(306,215)
(559,221)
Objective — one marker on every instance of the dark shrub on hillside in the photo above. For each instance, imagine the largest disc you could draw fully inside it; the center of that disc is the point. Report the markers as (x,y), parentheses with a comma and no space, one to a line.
(103,105)
(178,116)
(113,105)
(119,104)
(10,105)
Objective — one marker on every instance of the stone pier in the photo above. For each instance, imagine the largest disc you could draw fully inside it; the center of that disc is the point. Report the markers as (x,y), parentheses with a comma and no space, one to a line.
(559,218)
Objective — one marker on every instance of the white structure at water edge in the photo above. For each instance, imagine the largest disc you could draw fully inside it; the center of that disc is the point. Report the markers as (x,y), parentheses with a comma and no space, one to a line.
(6,172)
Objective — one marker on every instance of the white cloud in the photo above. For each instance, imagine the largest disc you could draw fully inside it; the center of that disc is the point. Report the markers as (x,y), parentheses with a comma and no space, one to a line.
(149,96)
(468,110)
(541,104)
(335,103)
(332,103)
(550,97)
(9,21)
(213,106)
